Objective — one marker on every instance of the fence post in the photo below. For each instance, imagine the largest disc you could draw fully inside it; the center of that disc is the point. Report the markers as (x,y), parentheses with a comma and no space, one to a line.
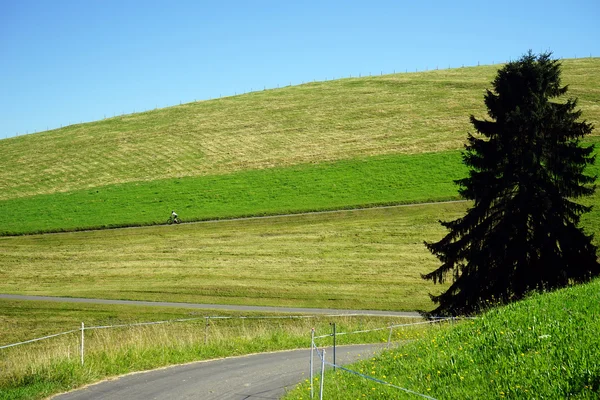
(390,336)
(206,330)
(82,341)
(322,374)
(334,336)
(312,352)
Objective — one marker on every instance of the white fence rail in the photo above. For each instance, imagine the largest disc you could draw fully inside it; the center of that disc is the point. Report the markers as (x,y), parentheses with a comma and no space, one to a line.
(314,348)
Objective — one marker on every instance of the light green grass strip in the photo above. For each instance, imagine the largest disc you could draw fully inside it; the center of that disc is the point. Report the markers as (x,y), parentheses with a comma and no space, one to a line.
(363,182)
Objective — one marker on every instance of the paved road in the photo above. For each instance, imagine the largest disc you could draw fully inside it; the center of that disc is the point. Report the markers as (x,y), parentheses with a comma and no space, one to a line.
(229,307)
(258,376)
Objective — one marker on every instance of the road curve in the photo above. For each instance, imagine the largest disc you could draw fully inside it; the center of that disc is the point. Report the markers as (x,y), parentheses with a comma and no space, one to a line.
(257,376)
(228,307)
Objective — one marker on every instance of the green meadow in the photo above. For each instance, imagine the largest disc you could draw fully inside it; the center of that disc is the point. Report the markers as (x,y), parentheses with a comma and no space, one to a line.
(545,347)
(364,149)
(287,261)
(366,182)
(317,122)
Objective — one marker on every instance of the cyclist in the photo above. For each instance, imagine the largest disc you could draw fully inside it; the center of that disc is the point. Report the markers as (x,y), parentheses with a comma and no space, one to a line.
(174,216)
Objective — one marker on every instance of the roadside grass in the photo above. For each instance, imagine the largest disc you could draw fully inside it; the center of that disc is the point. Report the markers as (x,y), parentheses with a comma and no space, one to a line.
(403,113)
(37,370)
(362,259)
(544,347)
(363,182)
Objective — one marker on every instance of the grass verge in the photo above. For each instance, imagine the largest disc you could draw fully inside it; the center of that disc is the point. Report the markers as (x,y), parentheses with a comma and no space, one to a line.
(543,347)
(39,369)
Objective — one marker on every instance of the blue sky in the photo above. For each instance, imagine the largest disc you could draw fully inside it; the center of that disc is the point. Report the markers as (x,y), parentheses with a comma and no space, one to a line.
(65,62)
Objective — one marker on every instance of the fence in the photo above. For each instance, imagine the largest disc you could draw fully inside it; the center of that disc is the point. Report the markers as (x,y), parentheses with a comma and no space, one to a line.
(314,349)
(207,323)
(389,329)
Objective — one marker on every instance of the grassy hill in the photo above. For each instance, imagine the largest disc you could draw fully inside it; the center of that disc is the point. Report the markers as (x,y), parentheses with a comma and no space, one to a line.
(312,123)
(281,261)
(545,347)
(357,142)
(380,252)
(335,145)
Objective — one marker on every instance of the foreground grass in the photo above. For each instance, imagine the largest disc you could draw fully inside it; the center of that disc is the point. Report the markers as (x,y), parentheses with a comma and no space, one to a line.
(281,261)
(316,122)
(36,370)
(545,347)
(345,184)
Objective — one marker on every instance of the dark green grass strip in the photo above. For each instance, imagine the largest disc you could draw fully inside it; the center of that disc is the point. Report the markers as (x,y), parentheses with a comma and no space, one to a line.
(381,180)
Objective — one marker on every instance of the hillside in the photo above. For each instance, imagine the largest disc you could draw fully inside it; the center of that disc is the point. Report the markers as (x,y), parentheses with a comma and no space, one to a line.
(312,123)
(545,347)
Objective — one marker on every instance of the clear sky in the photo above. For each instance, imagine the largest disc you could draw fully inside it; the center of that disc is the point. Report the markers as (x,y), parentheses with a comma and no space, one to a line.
(72,61)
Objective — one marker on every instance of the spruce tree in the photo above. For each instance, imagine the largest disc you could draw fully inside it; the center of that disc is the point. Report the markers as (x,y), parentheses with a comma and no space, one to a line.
(526,168)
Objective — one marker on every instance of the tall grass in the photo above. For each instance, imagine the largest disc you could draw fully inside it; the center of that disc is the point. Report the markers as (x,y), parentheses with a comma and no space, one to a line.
(40,369)
(545,347)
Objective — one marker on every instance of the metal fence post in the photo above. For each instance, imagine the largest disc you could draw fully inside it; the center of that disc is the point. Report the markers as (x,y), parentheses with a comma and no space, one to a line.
(82,341)
(206,330)
(334,336)
(312,352)
(322,375)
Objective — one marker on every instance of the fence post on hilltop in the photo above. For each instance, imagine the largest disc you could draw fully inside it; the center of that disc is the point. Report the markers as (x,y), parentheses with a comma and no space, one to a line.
(82,340)
(312,352)
(390,336)
(322,374)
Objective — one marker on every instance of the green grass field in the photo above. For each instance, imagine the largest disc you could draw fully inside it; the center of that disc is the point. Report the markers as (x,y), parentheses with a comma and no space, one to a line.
(355,183)
(312,123)
(285,261)
(351,143)
(545,347)
(365,182)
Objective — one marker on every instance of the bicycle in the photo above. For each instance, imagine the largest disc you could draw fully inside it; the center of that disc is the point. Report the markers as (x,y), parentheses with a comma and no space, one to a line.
(172,220)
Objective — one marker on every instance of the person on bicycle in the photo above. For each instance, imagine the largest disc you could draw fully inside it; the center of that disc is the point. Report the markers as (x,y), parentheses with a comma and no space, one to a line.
(174,216)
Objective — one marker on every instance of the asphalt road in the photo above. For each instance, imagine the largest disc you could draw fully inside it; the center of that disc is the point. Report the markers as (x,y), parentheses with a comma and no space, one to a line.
(258,376)
(229,307)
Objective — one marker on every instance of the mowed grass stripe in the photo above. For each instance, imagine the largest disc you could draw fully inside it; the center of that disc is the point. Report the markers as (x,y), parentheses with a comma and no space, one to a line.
(316,122)
(356,183)
(362,182)
(367,259)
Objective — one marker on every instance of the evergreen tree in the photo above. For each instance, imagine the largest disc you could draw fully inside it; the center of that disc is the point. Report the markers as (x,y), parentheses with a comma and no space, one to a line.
(526,166)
